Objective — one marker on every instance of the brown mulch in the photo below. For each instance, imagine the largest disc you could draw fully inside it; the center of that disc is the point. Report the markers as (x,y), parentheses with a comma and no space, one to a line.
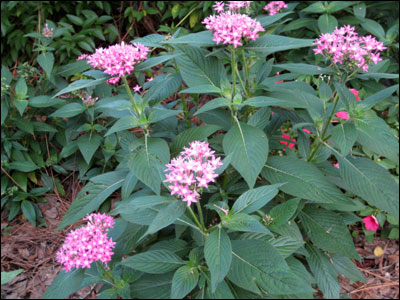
(33,249)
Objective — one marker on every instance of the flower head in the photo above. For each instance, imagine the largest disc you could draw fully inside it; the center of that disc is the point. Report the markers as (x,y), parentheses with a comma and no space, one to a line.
(274,7)
(343,46)
(231,27)
(47,32)
(90,101)
(118,60)
(192,169)
(88,243)
(371,223)
(342,115)
(355,92)
(291,145)
(137,88)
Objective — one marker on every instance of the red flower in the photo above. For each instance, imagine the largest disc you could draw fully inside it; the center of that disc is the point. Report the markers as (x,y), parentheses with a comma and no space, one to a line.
(371,223)
(291,145)
(355,92)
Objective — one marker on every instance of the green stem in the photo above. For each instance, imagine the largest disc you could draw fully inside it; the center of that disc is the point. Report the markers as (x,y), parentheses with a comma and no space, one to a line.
(196,220)
(246,68)
(233,67)
(189,13)
(325,130)
(131,96)
(200,214)
(241,82)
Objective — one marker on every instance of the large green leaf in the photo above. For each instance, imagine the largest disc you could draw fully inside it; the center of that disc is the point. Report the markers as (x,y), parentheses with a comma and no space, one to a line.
(92,196)
(213,104)
(218,255)
(153,61)
(266,20)
(88,144)
(344,266)
(254,199)
(327,23)
(273,43)
(303,180)
(199,133)
(184,281)
(249,148)
(282,213)
(197,68)
(124,123)
(328,231)
(8,276)
(371,101)
(154,262)
(23,166)
(374,133)
(44,101)
(305,69)
(324,273)
(256,262)
(371,182)
(46,61)
(162,87)
(65,284)
(153,286)
(199,39)
(244,222)
(68,110)
(344,136)
(80,84)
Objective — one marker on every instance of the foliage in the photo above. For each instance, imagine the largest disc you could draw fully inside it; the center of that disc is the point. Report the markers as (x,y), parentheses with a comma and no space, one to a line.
(276,220)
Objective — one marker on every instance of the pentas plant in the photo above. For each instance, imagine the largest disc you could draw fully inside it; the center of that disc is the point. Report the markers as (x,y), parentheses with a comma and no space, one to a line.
(275,7)
(243,122)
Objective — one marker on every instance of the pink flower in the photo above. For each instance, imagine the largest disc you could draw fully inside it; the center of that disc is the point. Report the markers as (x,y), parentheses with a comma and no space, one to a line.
(118,60)
(274,7)
(306,131)
(232,28)
(355,92)
(219,6)
(194,168)
(88,243)
(344,46)
(137,88)
(371,223)
(342,115)
(47,32)
(291,145)
(149,79)
(83,56)
(90,101)
(336,165)
(277,74)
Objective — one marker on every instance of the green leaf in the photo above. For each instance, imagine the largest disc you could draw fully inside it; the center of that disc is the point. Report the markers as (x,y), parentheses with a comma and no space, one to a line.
(258,263)
(316,7)
(124,123)
(344,136)
(344,266)
(303,179)
(360,10)
(146,168)
(69,110)
(80,84)
(73,68)
(373,27)
(21,105)
(371,101)
(24,125)
(267,20)
(262,101)
(345,95)
(222,291)
(244,222)
(298,23)
(75,20)
(21,89)
(324,273)
(153,286)
(44,101)
(305,69)
(199,39)
(327,23)
(159,114)
(163,86)
(8,276)
(374,134)
(167,216)
(283,212)
(338,5)
(92,196)
(184,281)
(201,89)
(197,68)
(85,46)
(46,61)
(29,212)
(213,104)
(371,182)
(192,134)
(327,230)
(4,110)
(128,186)
(254,199)
(154,262)
(65,284)
(23,166)
(153,61)
(273,43)
(218,255)
(249,148)
(88,145)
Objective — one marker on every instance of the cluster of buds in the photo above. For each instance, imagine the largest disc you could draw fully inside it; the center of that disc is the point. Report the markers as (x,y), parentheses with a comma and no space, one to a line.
(192,170)
(345,47)
(47,32)
(275,7)
(89,101)
(231,27)
(285,142)
(88,243)
(117,60)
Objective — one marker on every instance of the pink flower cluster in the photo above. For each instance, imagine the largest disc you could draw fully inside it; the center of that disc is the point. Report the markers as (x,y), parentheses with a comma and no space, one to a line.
(192,169)
(286,136)
(117,60)
(88,243)
(342,115)
(371,223)
(275,6)
(90,101)
(345,47)
(47,32)
(230,27)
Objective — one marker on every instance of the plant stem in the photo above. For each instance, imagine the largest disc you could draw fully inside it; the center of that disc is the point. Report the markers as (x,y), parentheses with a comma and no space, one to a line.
(233,67)
(196,220)
(200,214)
(131,96)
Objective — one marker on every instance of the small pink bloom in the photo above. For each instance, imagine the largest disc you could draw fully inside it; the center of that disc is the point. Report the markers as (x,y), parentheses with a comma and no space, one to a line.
(342,115)
(371,223)
(137,88)
(336,165)
(291,145)
(355,92)
(226,211)
(150,79)
(306,131)
(277,74)
(275,7)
